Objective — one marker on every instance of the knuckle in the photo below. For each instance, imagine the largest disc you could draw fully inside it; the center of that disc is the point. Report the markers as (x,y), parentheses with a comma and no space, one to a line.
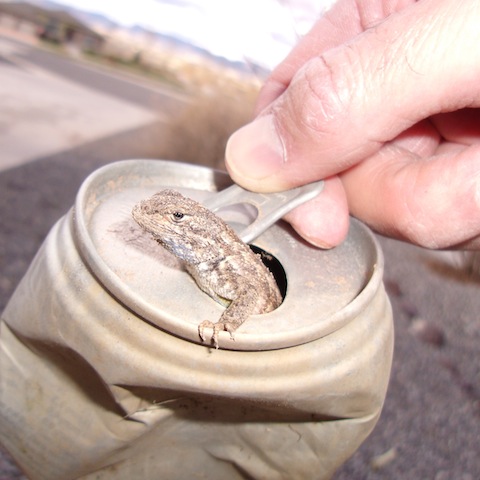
(327,95)
(325,91)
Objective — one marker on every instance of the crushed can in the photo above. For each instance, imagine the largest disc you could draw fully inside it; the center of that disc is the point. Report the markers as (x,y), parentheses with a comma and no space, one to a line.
(104,376)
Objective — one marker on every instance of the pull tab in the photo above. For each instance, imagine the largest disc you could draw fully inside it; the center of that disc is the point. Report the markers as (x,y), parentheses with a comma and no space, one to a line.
(270,206)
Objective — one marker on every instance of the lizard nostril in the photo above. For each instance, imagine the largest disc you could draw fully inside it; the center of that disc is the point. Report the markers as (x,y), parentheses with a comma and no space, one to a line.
(274,265)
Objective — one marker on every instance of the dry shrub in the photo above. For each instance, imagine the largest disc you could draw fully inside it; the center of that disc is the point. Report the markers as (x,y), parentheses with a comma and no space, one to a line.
(221,102)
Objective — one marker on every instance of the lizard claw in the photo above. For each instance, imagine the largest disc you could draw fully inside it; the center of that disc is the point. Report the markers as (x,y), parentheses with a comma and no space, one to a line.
(201,328)
(217,327)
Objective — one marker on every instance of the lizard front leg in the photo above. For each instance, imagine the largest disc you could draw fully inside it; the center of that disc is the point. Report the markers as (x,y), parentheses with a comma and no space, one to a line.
(236,313)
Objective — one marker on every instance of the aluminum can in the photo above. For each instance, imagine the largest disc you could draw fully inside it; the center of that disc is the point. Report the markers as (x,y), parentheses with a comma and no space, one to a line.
(103,374)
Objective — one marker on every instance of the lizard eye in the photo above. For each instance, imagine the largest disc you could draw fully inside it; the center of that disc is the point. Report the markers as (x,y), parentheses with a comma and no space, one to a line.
(177,216)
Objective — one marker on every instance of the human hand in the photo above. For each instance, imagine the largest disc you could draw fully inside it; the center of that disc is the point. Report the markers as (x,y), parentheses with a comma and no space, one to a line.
(381,98)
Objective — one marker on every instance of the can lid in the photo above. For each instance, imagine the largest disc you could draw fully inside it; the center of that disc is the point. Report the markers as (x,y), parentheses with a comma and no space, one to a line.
(325,289)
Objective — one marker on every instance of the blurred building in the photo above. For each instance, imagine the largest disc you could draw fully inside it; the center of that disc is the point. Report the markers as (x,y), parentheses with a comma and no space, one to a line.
(56,26)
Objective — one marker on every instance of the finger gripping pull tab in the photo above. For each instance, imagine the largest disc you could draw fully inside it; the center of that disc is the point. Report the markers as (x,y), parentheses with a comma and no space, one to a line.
(270,206)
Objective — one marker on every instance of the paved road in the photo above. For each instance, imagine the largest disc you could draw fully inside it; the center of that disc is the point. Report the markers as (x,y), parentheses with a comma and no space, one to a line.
(49,103)
(126,87)
(430,427)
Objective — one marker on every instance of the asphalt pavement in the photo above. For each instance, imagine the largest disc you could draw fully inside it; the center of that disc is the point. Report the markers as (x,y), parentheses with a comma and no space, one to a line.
(50,103)
(430,426)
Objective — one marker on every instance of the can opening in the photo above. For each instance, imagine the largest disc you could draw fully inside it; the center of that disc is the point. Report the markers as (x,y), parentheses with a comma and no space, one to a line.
(273,264)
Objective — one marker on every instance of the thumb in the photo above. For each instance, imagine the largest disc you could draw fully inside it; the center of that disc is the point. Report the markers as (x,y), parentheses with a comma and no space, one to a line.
(343,105)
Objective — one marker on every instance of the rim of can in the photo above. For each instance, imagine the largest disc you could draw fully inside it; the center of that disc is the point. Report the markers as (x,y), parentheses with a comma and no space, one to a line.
(86,201)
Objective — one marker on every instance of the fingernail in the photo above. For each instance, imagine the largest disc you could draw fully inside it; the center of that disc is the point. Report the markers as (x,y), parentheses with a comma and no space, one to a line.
(311,234)
(256,150)
(320,243)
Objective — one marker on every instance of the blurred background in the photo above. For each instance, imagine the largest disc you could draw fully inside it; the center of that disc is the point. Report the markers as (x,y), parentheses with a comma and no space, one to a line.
(212,55)
(87,82)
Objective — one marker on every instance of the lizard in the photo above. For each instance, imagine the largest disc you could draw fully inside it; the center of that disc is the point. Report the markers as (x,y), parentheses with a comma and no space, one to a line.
(222,265)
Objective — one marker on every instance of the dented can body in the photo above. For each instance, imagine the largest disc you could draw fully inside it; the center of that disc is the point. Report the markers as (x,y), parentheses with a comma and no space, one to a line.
(104,375)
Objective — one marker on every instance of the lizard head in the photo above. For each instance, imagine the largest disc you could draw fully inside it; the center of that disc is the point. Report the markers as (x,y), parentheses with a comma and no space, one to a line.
(180,224)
